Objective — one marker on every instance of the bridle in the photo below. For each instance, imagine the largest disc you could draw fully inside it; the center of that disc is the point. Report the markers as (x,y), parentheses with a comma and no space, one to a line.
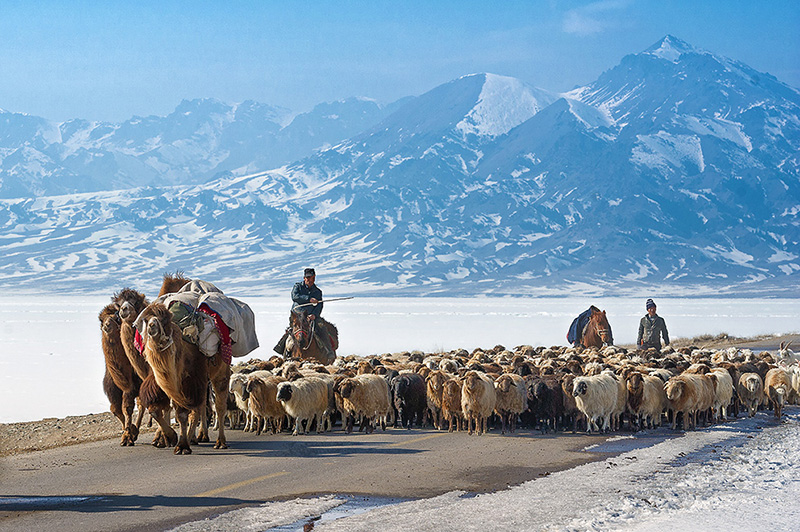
(298,330)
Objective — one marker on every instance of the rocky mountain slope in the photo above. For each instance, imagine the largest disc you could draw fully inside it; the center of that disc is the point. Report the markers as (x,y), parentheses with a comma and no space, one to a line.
(677,170)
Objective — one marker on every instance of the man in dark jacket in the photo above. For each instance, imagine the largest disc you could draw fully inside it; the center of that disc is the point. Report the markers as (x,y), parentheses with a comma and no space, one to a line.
(307,296)
(305,292)
(652,328)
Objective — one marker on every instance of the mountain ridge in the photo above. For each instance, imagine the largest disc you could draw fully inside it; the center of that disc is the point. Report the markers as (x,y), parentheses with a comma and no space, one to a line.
(481,186)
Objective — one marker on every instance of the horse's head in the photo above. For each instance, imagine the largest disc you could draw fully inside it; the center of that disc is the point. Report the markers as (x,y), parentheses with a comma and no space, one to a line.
(301,326)
(602,326)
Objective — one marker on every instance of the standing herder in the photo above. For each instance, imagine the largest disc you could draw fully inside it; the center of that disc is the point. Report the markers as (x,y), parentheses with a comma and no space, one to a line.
(652,328)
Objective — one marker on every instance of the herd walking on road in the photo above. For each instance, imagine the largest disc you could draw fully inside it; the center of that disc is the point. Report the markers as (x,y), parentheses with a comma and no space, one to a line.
(160,357)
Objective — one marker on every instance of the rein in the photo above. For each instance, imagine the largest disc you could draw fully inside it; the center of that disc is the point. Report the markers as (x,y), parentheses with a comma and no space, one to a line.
(299,329)
(165,346)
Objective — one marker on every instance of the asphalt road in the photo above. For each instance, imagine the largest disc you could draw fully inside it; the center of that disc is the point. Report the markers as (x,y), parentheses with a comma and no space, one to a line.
(102,486)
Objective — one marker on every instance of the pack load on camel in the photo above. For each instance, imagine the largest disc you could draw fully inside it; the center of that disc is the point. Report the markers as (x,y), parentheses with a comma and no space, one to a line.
(590,329)
(188,336)
(210,320)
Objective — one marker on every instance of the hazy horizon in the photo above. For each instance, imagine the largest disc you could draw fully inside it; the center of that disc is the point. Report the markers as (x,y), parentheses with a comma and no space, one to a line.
(111,62)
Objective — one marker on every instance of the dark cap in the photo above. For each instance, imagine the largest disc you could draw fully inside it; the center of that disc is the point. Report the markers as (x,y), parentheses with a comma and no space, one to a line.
(650,304)
(309,272)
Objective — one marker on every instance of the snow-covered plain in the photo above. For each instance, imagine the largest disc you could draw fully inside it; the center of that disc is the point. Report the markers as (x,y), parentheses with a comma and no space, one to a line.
(52,343)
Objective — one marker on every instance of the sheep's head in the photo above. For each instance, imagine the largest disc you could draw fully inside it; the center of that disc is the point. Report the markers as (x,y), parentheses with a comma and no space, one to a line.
(635,383)
(247,389)
(471,380)
(284,391)
(753,383)
(674,389)
(237,382)
(436,380)
(580,388)
(452,387)
(504,383)
(347,387)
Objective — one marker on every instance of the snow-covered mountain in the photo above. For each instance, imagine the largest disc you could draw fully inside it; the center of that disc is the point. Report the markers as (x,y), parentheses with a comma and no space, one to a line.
(198,141)
(676,171)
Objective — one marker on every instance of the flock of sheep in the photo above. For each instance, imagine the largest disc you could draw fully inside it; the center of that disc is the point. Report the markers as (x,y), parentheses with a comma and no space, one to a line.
(555,388)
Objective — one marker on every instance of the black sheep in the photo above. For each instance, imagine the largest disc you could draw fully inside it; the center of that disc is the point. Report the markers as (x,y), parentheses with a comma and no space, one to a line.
(410,400)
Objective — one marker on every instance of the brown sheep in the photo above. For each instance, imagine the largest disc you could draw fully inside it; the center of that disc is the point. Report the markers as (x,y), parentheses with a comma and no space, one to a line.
(451,404)
(478,400)
(750,390)
(512,400)
(777,386)
(261,392)
(689,393)
(434,387)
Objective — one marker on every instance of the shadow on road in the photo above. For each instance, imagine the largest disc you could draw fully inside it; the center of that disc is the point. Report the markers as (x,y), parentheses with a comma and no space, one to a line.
(111,503)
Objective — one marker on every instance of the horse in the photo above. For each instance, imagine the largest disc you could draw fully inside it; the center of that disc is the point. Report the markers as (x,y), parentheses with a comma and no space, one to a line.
(302,344)
(597,332)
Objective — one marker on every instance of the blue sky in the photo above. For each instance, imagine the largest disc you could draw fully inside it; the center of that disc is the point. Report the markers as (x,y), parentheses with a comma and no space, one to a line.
(112,60)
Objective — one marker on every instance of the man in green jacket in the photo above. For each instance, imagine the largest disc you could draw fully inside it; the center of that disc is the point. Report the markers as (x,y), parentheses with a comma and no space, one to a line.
(652,328)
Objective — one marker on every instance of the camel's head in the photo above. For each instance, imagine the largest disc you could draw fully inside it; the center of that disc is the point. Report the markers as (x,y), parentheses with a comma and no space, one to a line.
(130,302)
(158,325)
(109,320)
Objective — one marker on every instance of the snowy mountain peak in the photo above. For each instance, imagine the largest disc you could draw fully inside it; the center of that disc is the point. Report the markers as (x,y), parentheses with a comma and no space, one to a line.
(670,48)
(503,104)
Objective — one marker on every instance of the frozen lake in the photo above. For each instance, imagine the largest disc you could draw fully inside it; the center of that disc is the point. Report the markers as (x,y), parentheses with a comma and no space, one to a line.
(51,364)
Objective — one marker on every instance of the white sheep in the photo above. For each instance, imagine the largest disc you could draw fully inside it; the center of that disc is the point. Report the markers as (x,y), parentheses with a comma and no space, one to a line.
(365,396)
(512,399)
(596,397)
(723,393)
(304,399)
(622,399)
(751,391)
(794,378)
(787,357)
(237,385)
(478,400)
